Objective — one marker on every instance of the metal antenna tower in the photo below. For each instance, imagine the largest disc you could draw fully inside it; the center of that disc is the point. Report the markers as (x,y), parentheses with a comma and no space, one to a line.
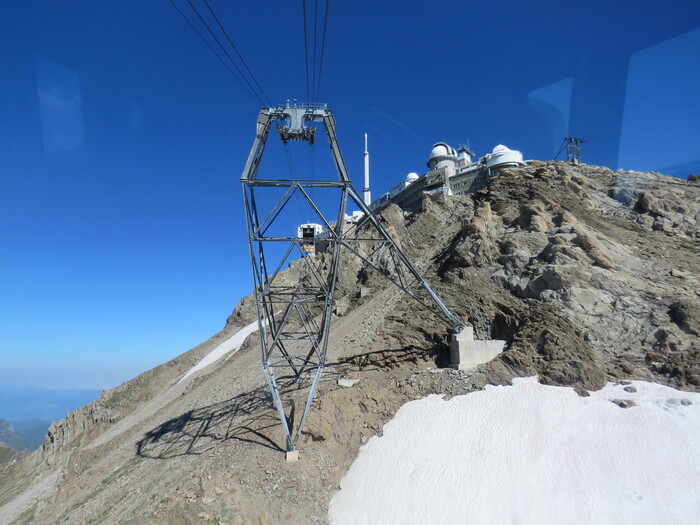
(294,307)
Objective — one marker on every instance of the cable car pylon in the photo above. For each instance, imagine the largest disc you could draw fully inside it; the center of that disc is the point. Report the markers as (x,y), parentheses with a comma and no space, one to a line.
(294,309)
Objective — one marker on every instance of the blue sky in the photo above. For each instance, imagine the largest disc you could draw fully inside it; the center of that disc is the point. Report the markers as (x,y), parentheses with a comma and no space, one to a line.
(122,139)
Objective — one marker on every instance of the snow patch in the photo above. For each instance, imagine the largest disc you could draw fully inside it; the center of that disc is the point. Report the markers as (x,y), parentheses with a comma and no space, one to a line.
(531,453)
(231,345)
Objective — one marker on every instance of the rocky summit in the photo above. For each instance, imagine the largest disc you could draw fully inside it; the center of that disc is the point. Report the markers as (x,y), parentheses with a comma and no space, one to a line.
(588,274)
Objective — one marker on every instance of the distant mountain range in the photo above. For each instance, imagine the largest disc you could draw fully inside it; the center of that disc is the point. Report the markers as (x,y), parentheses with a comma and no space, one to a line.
(27,412)
(23,435)
(43,404)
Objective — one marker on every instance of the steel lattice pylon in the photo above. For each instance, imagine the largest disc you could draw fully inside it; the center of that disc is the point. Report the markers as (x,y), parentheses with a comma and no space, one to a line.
(294,316)
(573,149)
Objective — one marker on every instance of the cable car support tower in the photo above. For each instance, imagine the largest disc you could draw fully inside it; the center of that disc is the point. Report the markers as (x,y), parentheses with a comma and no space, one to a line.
(294,315)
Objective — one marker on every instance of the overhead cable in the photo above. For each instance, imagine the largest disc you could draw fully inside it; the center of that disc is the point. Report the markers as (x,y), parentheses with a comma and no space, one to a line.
(264,96)
(206,42)
(323,47)
(313,54)
(233,62)
(563,145)
(313,76)
(306,50)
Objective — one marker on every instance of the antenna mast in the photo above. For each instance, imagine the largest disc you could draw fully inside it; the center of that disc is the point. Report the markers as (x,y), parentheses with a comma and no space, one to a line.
(365,189)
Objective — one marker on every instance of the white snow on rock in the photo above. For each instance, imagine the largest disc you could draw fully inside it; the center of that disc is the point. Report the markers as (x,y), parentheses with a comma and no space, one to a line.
(531,454)
(232,344)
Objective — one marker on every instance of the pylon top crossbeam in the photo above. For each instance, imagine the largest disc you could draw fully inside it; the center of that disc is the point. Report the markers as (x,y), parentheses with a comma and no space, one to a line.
(294,122)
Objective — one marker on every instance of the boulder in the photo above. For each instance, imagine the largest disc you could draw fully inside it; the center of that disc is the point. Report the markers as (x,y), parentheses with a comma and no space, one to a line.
(594,249)
(685,312)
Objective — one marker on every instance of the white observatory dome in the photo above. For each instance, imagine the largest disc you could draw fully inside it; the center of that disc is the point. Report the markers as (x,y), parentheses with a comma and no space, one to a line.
(503,156)
(438,150)
(501,149)
(412,177)
(442,156)
(441,149)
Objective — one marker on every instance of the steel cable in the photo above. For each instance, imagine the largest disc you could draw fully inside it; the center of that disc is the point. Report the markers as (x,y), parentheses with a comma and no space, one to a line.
(238,79)
(262,91)
(323,47)
(306,50)
(257,96)
(313,76)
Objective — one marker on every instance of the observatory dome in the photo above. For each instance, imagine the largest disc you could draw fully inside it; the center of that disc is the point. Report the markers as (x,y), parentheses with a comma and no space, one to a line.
(503,156)
(441,154)
(412,177)
(441,149)
(500,149)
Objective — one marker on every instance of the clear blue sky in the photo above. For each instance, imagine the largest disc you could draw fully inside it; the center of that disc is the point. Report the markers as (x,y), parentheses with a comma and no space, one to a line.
(122,139)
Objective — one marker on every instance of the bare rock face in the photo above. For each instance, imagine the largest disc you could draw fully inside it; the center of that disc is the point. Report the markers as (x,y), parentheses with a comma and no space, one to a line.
(594,249)
(601,248)
(244,313)
(74,426)
(663,204)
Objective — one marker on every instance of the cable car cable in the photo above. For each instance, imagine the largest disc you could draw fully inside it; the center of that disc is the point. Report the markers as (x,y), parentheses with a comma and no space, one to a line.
(262,91)
(233,74)
(257,96)
(313,76)
(323,47)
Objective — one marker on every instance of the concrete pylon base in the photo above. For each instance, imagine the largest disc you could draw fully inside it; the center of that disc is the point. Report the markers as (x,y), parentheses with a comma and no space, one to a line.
(292,455)
(466,353)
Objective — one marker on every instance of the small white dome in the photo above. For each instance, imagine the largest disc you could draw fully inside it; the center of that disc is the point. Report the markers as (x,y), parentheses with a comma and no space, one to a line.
(412,177)
(500,149)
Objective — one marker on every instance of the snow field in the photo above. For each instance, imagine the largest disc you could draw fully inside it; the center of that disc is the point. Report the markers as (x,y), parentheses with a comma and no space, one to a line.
(531,454)
(232,344)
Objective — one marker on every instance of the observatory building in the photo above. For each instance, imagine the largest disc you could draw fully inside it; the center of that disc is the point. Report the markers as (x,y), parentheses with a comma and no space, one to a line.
(451,172)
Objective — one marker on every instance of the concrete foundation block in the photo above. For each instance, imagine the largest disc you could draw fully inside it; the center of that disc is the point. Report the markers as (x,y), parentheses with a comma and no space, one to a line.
(364,291)
(466,353)
(292,455)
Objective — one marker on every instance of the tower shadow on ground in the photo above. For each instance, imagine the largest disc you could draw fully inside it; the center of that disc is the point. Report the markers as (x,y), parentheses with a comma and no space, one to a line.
(248,417)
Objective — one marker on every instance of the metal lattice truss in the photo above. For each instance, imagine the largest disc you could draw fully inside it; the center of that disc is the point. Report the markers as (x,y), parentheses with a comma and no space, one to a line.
(294,307)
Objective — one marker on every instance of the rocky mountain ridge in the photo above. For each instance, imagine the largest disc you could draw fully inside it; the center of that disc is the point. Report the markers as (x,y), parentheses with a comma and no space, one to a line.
(588,274)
